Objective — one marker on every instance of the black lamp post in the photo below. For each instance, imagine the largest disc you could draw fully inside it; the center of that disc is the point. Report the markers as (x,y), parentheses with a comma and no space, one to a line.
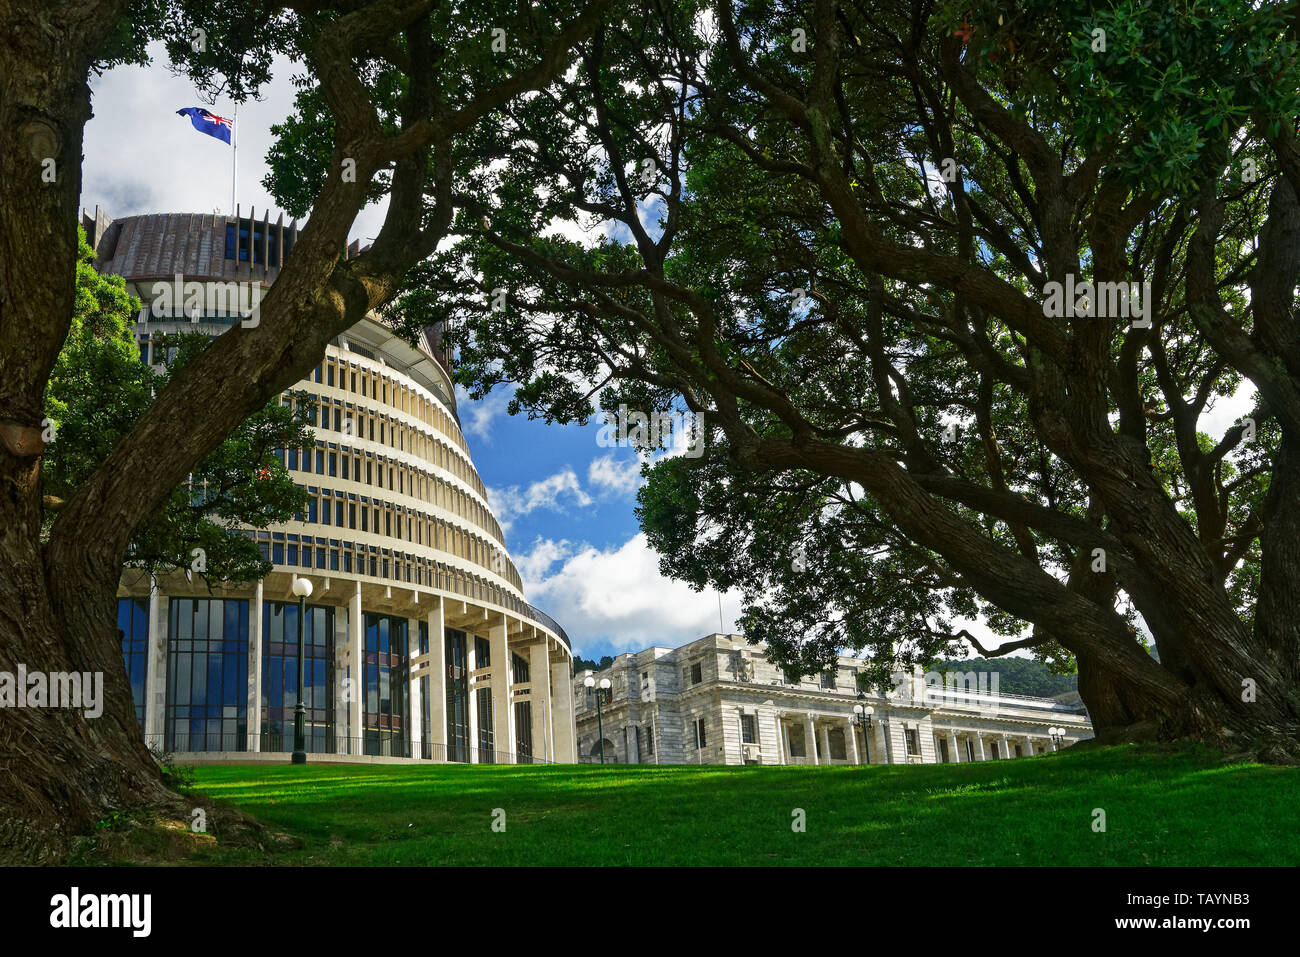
(864,712)
(1057,735)
(590,683)
(301,588)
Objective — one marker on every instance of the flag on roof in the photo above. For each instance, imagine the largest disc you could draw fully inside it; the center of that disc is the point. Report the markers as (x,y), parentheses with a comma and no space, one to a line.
(205,121)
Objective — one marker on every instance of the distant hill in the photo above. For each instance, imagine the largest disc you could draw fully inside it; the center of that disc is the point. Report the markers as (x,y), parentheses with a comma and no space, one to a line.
(1019,676)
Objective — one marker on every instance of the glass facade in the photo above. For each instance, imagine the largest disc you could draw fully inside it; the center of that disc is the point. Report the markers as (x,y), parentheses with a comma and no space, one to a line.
(486,736)
(207,675)
(457,696)
(133,632)
(386,710)
(524,731)
(280,676)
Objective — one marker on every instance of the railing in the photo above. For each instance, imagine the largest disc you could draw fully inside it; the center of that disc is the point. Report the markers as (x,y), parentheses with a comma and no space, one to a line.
(368,746)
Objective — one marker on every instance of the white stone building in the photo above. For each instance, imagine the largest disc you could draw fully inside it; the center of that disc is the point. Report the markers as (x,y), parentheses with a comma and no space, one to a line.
(719,701)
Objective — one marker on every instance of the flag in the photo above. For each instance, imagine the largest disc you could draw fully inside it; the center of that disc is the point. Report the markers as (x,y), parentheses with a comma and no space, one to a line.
(208,122)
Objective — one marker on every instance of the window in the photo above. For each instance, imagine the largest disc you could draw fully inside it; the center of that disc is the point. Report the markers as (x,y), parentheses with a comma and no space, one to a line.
(207,675)
(828,679)
(748,729)
(133,631)
(486,739)
(697,673)
(913,741)
(797,739)
(700,737)
(648,737)
(279,696)
(645,680)
(482,653)
(835,737)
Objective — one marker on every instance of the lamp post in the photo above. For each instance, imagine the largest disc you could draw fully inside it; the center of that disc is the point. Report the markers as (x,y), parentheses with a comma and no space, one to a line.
(590,683)
(1057,735)
(864,713)
(301,588)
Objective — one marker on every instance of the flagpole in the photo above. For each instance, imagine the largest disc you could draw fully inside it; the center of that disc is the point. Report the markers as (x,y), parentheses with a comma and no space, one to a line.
(234,160)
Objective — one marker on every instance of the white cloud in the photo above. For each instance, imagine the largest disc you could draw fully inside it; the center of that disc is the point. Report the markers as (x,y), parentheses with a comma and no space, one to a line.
(477,419)
(616,600)
(554,492)
(143,158)
(617,474)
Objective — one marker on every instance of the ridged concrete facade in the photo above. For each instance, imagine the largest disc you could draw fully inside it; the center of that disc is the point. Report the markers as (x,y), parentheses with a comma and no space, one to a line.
(421,643)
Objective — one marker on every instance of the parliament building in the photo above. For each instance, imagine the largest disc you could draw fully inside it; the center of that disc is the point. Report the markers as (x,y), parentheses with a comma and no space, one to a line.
(419,642)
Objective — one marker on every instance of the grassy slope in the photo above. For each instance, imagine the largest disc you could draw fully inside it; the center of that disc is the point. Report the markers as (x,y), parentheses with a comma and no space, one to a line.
(1162,808)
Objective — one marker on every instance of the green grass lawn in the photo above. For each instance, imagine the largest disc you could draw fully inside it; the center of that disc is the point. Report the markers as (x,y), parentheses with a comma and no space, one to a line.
(1162,808)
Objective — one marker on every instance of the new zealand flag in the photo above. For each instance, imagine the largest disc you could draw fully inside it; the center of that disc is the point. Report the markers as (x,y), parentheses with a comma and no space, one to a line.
(208,122)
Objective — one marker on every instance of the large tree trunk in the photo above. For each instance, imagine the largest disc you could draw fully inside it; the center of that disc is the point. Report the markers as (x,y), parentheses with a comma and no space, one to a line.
(61,772)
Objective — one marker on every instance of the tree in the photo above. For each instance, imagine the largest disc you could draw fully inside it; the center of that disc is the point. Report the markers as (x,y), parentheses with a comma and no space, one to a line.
(96,392)
(853,238)
(406,87)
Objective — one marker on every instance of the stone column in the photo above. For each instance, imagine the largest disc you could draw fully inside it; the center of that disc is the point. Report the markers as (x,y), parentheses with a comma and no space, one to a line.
(539,676)
(437,674)
(810,739)
(851,733)
(780,738)
(255,638)
(826,744)
(954,747)
(1006,749)
(413,689)
(503,717)
(979,746)
(356,672)
(565,730)
(155,698)
(471,698)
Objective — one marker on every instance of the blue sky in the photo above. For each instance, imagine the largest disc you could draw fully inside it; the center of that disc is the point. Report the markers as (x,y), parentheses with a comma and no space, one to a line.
(565,502)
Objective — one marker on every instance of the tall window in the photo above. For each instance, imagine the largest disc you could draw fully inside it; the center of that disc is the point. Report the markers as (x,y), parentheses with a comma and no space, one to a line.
(133,632)
(486,732)
(386,713)
(426,734)
(457,696)
(697,673)
(828,679)
(482,653)
(913,741)
(280,676)
(701,738)
(648,739)
(748,729)
(524,732)
(835,737)
(207,675)
(520,669)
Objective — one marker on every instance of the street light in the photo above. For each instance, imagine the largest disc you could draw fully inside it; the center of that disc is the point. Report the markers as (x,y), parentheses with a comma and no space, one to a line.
(864,713)
(301,588)
(590,683)
(1056,734)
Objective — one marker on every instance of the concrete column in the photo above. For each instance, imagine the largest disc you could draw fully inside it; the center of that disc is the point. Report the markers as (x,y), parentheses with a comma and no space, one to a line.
(254,721)
(954,747)
(979,747)
(356,688)
(503,712)
(810,739)
(342,684)
(471,707)
(780,738)
(566,732)
(413,690)
(539,676)
(826,744)
(155,698)
(437,674)
(1006,748)
(851,733)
